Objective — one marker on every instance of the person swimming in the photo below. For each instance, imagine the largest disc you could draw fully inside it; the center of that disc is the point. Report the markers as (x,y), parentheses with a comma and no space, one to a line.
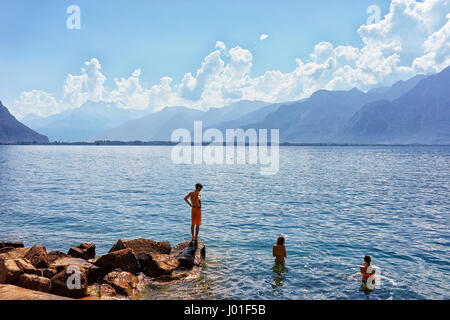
(366,269)
(279,251)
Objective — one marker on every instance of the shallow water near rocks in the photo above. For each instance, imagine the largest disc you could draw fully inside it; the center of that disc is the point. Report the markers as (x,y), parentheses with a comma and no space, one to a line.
(333,204)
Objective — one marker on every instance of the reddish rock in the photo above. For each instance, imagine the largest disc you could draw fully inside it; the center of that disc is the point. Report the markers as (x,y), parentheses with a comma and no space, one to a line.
(142,246)
(123,282)
(70,282)
(37,256)
(9,271)
(105,290)
(26,266)
(47,272)
(6,249)
(125,260)
(11,244)
(85,251)
(52,256)
(34,282)
(154,265)
(16,253)
(93,273)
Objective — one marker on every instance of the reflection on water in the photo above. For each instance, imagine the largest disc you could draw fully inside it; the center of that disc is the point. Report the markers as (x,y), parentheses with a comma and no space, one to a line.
(279,270)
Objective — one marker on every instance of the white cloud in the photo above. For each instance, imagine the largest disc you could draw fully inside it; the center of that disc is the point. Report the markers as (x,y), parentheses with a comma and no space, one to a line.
(414,37)
(37,102)
(263,37)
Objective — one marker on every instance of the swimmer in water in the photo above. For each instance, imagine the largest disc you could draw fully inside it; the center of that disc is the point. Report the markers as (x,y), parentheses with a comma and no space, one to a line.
(366,269)
(279,251)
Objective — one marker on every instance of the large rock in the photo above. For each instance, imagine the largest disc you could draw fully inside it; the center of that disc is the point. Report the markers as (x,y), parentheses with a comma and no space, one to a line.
(16,253)
(52,256)
(11,292)
(70,283)
(105,290)
(142,246)
(123,282)
(124,260)
(47,272)
(37,256)
(190,254)
(26,266)
(85,251)
(9,271)
(11,244)
(155,265)
(34,282)
(93,273)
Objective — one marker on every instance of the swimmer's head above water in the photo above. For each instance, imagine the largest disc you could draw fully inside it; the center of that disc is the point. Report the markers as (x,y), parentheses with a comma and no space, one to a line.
(280,241)
(367,260)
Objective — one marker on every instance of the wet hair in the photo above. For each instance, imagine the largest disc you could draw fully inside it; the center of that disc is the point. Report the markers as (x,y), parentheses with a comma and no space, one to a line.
(367,259)
(198,185)
(280,241)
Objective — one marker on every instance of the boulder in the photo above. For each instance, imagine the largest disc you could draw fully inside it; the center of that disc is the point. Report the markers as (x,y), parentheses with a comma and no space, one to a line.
(93,273)
(16,253)
(142,246)
(190,254)
(46,272)
(11,292)
(154,265)
(26,266)
(34,282)
(105,290)
(85,251)
(11,244)
(70,282)
(52,256)
(6,249)
(124,259)
(9,271)
(37,256)
(123,282)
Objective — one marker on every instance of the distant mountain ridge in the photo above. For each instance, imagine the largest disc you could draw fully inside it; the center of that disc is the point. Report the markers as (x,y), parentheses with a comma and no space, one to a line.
(83,122)
(13,131)
(411,111)
(422,115)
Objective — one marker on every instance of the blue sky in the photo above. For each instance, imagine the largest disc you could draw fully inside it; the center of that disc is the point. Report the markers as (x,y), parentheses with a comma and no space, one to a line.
(166,39)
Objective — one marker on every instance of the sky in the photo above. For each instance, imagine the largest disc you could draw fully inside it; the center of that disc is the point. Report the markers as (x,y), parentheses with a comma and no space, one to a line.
(202,54)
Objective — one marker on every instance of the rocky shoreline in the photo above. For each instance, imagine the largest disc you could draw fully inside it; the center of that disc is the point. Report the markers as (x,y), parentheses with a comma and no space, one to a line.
(122,273)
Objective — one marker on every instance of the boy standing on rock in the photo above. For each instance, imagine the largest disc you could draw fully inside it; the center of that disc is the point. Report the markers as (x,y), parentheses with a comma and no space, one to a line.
(196,212)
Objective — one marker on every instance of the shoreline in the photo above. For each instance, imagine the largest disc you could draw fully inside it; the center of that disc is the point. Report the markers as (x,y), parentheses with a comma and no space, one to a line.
(122,273)
(169,143)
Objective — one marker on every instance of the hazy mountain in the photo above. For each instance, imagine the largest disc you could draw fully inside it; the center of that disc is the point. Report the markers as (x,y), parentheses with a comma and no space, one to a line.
(397,89)
(86,121)
(159,126)
(11,130)
(316,119)
(422,115)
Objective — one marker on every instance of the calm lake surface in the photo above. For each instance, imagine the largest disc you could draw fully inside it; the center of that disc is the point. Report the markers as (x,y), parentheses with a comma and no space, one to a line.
(333,205)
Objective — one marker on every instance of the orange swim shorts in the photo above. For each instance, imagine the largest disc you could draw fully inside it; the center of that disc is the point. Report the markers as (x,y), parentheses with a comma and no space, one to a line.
(196,216)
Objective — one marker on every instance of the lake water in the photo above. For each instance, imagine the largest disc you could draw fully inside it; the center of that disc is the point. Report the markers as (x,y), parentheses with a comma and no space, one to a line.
(333,204)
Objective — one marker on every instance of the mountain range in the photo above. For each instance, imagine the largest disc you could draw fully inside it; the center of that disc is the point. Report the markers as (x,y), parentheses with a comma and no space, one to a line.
(12,131)
(412,111)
